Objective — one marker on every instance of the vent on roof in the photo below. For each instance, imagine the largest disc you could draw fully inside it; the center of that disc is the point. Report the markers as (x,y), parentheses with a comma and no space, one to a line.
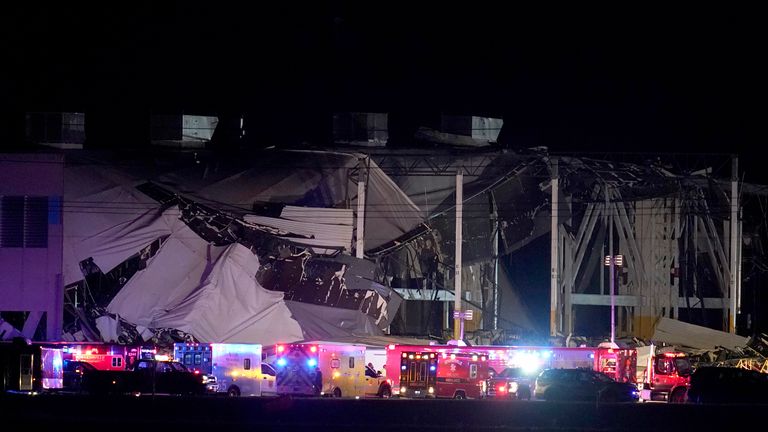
(23,222)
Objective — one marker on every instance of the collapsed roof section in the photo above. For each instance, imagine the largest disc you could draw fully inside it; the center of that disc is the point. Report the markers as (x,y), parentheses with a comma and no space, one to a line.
(212,249)
(290,208)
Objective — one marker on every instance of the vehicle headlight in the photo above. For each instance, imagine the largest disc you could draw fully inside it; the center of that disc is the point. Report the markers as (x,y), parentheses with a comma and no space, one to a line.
(513,387)
(207,379)
(431,390)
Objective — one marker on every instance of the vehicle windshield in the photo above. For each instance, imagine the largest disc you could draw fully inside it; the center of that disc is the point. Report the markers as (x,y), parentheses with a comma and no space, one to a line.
(267,369)
(511,373)
(683,366)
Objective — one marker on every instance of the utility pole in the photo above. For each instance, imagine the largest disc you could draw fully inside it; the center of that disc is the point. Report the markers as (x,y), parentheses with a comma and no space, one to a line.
(554,283)
(735,288)
(458,322)
(360,244)
(612,265)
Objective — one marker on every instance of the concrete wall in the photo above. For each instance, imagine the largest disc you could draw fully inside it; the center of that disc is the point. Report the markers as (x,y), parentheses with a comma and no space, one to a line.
(30,277)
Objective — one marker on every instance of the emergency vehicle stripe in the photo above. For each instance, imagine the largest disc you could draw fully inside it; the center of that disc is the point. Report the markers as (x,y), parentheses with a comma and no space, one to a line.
(295,377)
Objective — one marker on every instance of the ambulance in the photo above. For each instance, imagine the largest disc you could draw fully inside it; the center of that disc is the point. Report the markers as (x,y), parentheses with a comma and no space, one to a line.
(454,374)
(231,368)
(327,369)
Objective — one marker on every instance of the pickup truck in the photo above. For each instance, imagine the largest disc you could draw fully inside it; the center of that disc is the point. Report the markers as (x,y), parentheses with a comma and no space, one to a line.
(146,376)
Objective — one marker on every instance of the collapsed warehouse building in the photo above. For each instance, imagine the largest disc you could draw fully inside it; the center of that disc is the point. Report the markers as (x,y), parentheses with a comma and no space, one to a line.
(284,245)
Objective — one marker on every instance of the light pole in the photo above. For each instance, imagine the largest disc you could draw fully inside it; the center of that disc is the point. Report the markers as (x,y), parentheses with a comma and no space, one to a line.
(612,261)
(461,317)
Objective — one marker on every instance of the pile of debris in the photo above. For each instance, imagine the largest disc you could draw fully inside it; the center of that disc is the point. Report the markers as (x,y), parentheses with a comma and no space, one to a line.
(753,356)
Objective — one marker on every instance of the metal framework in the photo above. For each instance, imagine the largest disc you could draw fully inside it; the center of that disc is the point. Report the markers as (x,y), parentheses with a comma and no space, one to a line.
(660,239)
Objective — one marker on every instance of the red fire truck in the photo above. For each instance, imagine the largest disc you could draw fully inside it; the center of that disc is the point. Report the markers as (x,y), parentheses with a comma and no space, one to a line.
(446,374)
(663,374)
(619,364)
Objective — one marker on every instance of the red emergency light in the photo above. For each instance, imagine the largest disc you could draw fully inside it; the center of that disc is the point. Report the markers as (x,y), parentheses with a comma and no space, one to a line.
(391,347)
(280,348)
(502,389)
(313,349)
(672,354)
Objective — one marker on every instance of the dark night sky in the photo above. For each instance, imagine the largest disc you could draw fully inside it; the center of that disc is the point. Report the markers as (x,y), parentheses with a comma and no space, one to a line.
(655,79)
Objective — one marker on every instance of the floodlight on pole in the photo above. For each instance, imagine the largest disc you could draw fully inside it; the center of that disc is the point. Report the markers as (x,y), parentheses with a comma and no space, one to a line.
(613,261)
(461,317)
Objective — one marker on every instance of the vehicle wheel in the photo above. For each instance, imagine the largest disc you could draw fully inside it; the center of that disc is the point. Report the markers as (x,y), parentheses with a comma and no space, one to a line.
(678,396)
(385,392)
(233,391)
(337,392)
(459,395)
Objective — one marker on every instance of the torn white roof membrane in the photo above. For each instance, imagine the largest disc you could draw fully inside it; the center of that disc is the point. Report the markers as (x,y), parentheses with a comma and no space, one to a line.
(227,305)
(177,270)
(676,332)
(301,178)
(107,219)
(322,234)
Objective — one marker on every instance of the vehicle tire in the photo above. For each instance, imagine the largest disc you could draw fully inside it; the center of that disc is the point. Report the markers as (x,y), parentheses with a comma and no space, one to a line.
(678,396)
(233,391)
(337,392)
(459,395)
(385,392)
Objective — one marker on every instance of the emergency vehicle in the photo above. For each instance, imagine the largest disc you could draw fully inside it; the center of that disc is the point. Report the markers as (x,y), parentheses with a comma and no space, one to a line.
(100,356)
(30,367)
(326,369)
(616,363)
(663,374)
(456,375)
(104,356)
(195,356)
(235,369)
